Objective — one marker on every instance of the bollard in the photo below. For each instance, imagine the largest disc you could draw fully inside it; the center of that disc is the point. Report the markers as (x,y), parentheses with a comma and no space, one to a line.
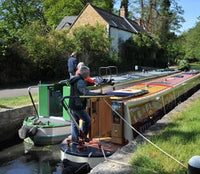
(194,165)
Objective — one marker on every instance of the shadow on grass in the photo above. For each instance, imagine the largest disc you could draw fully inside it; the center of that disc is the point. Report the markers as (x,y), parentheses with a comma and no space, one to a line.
(5,107)
(145,165)
(182,137)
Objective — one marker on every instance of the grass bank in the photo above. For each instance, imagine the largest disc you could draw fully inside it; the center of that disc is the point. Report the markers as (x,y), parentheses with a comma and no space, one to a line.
(180,139)
(12,102)
(195,65)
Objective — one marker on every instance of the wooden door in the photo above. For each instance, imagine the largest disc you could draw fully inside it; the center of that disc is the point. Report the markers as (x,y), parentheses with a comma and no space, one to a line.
(101,118)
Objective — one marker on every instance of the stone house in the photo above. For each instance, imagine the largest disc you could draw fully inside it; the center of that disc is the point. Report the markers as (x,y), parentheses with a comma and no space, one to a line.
(117,27)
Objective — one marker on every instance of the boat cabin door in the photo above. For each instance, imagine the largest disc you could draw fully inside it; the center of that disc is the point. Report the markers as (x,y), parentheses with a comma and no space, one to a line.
(101,117)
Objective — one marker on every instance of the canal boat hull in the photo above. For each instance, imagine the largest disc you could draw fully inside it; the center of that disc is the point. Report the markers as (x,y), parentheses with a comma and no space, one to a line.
(144,111)
(92,152)
(115,116)
(50,125)
(45,130)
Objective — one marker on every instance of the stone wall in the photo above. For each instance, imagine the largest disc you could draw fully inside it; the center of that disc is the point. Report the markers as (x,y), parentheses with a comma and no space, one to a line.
(12,120)
(88,17)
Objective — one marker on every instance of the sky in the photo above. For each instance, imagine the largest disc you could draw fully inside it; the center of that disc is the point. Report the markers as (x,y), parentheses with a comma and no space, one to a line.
(191,12)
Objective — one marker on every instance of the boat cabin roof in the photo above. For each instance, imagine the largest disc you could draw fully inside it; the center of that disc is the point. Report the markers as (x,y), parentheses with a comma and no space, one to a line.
(151,87)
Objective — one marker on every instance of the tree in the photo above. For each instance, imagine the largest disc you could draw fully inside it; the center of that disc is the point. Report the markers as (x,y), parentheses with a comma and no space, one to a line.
(15,14)
(153,12)
(163,22)
(138,50)
(160,18)
(93,44)
(104,4)
(192,43)
(55,11)
(48,50)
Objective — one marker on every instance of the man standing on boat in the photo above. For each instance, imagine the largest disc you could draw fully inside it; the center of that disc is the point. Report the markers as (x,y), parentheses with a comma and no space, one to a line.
(72,64)
(77,105)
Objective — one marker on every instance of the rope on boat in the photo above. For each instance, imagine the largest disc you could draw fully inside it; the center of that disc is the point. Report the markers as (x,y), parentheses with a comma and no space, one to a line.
(107,159)
(144,136)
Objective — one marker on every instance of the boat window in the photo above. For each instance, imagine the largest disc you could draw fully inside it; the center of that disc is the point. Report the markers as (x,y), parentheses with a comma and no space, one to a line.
(160,83)
(191,72)
(178,76)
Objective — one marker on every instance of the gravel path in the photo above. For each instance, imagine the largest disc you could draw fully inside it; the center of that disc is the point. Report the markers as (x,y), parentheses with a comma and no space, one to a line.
(4,93)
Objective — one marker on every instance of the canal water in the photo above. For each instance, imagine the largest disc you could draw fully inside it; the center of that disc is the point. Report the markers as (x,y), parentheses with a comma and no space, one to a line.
(24,158)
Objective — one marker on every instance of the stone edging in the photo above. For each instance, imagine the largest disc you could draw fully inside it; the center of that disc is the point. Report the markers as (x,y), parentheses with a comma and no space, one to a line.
(12,120)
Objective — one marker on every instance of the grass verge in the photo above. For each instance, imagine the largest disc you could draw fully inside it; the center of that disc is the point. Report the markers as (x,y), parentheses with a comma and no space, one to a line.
(195,65)
(12,102)
(180,139)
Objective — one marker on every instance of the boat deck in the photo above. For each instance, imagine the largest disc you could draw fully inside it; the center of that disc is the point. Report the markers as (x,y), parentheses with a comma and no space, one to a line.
(152,86)
(134,75)
(93,148)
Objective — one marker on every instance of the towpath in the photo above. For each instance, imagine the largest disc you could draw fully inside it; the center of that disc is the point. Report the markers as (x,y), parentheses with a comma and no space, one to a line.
(13,92)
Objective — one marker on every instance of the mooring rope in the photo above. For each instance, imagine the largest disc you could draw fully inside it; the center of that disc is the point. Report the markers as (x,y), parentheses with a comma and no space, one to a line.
(111,159)
(144,136)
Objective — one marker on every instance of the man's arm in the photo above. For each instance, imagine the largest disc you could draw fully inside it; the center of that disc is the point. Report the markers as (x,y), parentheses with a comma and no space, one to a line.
(83,89)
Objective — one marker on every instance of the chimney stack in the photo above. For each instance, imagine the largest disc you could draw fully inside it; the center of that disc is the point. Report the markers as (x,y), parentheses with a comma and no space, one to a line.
(122,12)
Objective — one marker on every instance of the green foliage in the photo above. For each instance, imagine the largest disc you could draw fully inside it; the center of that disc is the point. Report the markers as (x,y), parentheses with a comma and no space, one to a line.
(15,66)
(55,11)
(183,65)
(195,66)
(192,43)
(104,4)
(28,42)
(178,44)
(160,19)
(17,13)
(138,50)
(49,50)
(157,15)
(189,43)
(3,49)
(93,44)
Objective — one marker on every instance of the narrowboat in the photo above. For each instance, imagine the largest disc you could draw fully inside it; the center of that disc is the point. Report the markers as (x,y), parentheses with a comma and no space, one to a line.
(114,115)
(50,124)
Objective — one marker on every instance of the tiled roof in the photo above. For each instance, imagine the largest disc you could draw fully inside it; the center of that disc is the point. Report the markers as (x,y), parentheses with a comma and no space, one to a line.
(138,27)
(119,22)
(67,21)
(112,19)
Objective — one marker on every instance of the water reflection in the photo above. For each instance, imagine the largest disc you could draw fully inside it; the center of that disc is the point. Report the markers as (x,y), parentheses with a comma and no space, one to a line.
(28,159)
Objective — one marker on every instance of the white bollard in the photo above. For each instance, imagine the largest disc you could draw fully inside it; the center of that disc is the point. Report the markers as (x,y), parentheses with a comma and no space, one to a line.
(194,165)
(136,67)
